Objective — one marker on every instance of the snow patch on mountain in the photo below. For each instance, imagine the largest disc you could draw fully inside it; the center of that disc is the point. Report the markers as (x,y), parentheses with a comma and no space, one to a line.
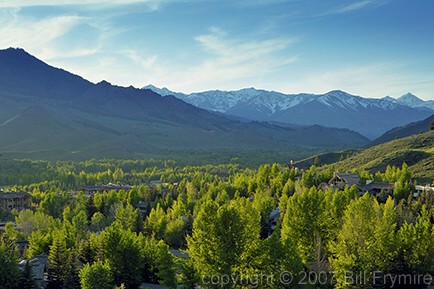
(271,102)
(412,100)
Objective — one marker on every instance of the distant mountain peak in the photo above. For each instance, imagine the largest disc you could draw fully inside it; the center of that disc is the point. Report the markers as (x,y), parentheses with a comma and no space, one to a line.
(161,91)
(17,56)
(389,98)
(104,83)
(15,50)
(411,100)
(150,86)
(337,92)
(249,89)
(409,95)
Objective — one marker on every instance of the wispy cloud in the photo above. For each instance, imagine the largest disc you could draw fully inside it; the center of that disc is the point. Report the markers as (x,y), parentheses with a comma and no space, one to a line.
(21,32)
(354,6)
(235,59)
(150,4)
(147,62)
(225,62)
(27,3)
(370,80)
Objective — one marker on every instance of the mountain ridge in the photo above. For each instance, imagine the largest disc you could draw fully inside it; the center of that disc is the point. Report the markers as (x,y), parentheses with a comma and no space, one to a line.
(415,150)
(84,120)
(350,111)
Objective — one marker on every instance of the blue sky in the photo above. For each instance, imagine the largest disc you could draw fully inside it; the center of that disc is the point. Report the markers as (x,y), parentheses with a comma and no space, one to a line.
(371,48)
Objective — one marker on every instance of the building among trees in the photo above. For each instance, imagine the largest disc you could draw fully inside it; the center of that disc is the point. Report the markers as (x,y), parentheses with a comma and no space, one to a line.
(15,200)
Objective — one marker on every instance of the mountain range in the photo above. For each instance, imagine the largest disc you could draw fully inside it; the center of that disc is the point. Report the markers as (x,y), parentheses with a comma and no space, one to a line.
(369,116)
(49,113)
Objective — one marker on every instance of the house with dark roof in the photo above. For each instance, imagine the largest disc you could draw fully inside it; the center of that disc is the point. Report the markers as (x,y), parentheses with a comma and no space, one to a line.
(374,188)
(340,180)
(15,200)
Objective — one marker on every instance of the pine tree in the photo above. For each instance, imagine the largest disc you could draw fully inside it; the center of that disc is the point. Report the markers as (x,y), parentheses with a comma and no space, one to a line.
(56,267)
(72,280)
(431,125)
(90,208)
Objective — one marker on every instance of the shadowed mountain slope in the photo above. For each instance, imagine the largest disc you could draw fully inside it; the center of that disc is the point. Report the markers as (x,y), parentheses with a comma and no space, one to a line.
(45,109)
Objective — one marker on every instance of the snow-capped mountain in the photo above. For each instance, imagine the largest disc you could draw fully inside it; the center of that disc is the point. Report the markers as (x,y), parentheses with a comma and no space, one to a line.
(83,119)
(267,102)
(412,100)
(368,116)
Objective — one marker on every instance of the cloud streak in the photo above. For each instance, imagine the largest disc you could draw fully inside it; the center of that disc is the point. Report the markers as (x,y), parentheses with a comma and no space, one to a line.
(371,80)
(152,5)
(353,7)
(227,63)
(232,59)
(20,32)
(28,3)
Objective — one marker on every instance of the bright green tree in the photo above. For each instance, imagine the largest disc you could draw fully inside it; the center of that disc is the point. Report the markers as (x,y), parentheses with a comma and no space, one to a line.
(159,266)
(8,238)
(122,250)
(366,242)
(96,276)
(174,235)
(278,256)
(224,239)
(165,264)
(336,203)
(39,243)
(156,222)
(305,224)
(52,203)
(128,218)
(417,245)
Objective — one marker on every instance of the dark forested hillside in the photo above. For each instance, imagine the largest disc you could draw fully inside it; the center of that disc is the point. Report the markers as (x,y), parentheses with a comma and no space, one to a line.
(48,113)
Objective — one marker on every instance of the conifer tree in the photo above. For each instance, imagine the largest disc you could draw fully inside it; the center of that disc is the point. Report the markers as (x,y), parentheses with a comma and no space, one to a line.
(57,266)
(72,280)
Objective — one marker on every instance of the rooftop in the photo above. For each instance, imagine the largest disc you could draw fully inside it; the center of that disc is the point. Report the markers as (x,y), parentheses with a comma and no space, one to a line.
(13,195)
